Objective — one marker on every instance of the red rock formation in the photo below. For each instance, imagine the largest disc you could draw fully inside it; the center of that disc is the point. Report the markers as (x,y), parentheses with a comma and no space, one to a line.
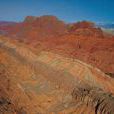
(82,40)
(85,28)
(48,83)
(38,28)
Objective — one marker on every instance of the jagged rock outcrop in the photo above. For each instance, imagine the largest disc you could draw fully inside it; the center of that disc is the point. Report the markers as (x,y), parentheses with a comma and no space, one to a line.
(86,28)
(29,19)
(82,24)
(101,101)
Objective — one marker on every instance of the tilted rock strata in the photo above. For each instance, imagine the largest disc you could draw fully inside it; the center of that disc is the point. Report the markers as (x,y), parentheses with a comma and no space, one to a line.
(49,83)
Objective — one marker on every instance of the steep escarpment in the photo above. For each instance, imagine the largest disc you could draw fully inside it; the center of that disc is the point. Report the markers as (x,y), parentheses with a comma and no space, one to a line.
(50,83)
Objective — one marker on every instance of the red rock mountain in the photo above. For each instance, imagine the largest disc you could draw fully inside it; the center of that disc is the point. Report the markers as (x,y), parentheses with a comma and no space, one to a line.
(81,40)
(85,28)
(35,28)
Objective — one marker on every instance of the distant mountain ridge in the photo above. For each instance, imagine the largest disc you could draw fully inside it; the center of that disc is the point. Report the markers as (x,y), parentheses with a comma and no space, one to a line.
(106,26)
(5,23)
(34,27)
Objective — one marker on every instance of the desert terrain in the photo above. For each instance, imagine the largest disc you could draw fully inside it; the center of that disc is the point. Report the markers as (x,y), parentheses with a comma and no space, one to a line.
(48,66)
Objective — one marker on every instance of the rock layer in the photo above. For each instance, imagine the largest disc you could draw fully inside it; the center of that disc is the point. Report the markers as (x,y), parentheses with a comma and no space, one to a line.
(48,83)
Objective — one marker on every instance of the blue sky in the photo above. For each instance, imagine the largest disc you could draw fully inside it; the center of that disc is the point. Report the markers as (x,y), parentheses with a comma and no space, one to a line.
(67,10)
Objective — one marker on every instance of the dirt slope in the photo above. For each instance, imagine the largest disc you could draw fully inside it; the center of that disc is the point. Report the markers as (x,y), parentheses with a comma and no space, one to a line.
(49,83)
